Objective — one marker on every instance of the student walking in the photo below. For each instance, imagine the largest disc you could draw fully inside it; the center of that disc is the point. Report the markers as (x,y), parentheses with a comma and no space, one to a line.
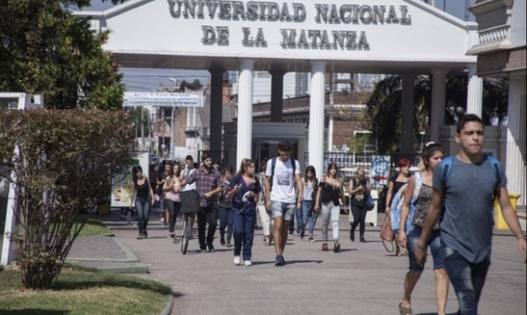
(245,190)
(224,207)
(283,191)
(263,212)
(394,185)
(359,191)
(143,199)
(172,188)
(417,197)
(309,217)
(464,188)
(329,198)
(208,185)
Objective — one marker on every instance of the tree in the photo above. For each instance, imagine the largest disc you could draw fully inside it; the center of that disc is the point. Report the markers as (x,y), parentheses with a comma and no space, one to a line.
(44,49)
(61,162)
(384,110)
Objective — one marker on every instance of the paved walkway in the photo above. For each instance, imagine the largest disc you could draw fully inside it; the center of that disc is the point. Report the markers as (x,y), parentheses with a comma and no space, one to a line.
(363,279)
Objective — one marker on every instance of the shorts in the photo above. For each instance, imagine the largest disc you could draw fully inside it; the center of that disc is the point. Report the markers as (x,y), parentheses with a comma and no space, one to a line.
(436,248)
(283,209)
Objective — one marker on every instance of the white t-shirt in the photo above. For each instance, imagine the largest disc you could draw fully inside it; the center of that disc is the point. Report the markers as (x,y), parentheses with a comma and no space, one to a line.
(283,189)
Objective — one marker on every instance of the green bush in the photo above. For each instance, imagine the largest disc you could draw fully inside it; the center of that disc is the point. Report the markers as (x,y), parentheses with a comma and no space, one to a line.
(62,161)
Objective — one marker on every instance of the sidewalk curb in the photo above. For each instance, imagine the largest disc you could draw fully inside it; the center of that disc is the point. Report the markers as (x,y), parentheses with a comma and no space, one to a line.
(167,310)
(130,256)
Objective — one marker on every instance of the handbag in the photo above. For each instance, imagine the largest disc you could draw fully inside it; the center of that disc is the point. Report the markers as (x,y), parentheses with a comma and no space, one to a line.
(386,229)
(370,204)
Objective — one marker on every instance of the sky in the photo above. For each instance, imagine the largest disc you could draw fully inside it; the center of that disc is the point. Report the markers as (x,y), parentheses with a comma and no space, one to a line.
(146,80)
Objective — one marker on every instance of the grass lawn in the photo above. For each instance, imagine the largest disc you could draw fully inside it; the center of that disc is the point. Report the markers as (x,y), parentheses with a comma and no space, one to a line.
(94,227)
(82,291)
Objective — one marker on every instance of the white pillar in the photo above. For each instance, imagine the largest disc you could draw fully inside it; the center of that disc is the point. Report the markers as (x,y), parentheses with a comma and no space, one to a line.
(408,113)
(515,166)
(330,132)
(474,92)
(316,115)
(437,117)
(245,111)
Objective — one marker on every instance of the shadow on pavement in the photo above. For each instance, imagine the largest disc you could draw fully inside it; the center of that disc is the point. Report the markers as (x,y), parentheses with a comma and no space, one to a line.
(292,262)
(343,250)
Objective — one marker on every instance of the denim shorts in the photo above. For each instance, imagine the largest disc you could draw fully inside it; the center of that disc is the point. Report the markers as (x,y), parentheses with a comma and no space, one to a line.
(436,248)
(283,209)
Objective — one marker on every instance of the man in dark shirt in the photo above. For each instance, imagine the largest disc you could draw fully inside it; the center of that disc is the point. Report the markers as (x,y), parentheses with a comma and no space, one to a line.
(208,185)
(466,196)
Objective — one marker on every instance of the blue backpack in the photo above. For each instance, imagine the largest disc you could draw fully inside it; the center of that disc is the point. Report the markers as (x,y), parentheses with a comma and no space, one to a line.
(397,204)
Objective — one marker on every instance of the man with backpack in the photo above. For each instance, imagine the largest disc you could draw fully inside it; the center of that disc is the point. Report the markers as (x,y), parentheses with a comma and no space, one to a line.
(464,188)
(283,193)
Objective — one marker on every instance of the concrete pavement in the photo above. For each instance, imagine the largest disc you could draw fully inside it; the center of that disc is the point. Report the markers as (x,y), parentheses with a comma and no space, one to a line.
(362,279)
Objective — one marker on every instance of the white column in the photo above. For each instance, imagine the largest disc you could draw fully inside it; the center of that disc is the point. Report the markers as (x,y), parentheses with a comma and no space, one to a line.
(515,164)
(245,111)
(330,132)
(474,92)
(408,113)
(437,117)
(316,115)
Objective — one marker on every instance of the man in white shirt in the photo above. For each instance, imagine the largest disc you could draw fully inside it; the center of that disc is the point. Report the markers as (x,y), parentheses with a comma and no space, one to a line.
(283,193)
(187,171)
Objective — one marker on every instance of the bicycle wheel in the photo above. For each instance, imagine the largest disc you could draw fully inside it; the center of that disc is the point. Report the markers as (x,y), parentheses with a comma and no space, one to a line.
(186,235)
(389,246)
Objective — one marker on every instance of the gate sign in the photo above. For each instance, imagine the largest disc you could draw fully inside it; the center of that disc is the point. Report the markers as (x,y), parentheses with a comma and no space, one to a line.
(162,99)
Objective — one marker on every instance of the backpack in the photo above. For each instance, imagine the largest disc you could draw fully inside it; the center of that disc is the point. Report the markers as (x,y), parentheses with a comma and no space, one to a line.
(397,204)
(448,162)
(273,166)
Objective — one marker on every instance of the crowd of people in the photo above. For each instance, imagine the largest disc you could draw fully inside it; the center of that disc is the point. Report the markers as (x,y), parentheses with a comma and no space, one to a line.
(447,206)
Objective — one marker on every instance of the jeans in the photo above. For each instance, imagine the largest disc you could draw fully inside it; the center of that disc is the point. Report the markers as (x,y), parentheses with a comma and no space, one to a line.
(436,248)
(359,217)
(308,216)
(244,223)
(265,219)
(467,279)
(174,208)
(142,206)
(330,213)
(207,215)
(225,222)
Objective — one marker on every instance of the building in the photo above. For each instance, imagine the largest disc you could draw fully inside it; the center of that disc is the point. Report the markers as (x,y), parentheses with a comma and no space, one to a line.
(501,52)
(301,37)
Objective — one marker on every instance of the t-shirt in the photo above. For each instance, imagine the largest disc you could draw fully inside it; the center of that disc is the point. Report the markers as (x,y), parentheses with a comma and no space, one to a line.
(309,188)
(238,201)
(283,189)
(467,222)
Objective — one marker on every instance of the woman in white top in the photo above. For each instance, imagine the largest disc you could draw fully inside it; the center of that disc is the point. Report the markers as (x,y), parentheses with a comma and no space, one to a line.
(172,188)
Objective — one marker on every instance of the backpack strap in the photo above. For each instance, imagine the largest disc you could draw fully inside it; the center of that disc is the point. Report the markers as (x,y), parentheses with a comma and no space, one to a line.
(497,168)
(418,185)
(447,169)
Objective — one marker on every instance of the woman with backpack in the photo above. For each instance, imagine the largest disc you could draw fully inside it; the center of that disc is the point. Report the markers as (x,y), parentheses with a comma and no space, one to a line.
(417,197)
(359,191)
(310,194)
(329,199)
(394,184)
(244,190)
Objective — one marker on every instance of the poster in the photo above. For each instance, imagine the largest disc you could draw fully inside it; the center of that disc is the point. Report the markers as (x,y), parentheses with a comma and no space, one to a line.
(122,185)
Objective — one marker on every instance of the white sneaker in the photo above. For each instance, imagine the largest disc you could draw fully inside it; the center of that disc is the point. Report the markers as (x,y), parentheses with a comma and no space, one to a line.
(248,263)
(237,261)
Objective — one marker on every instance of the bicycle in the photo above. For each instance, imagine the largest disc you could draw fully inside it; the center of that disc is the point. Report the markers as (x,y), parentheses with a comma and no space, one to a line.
(186,233)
